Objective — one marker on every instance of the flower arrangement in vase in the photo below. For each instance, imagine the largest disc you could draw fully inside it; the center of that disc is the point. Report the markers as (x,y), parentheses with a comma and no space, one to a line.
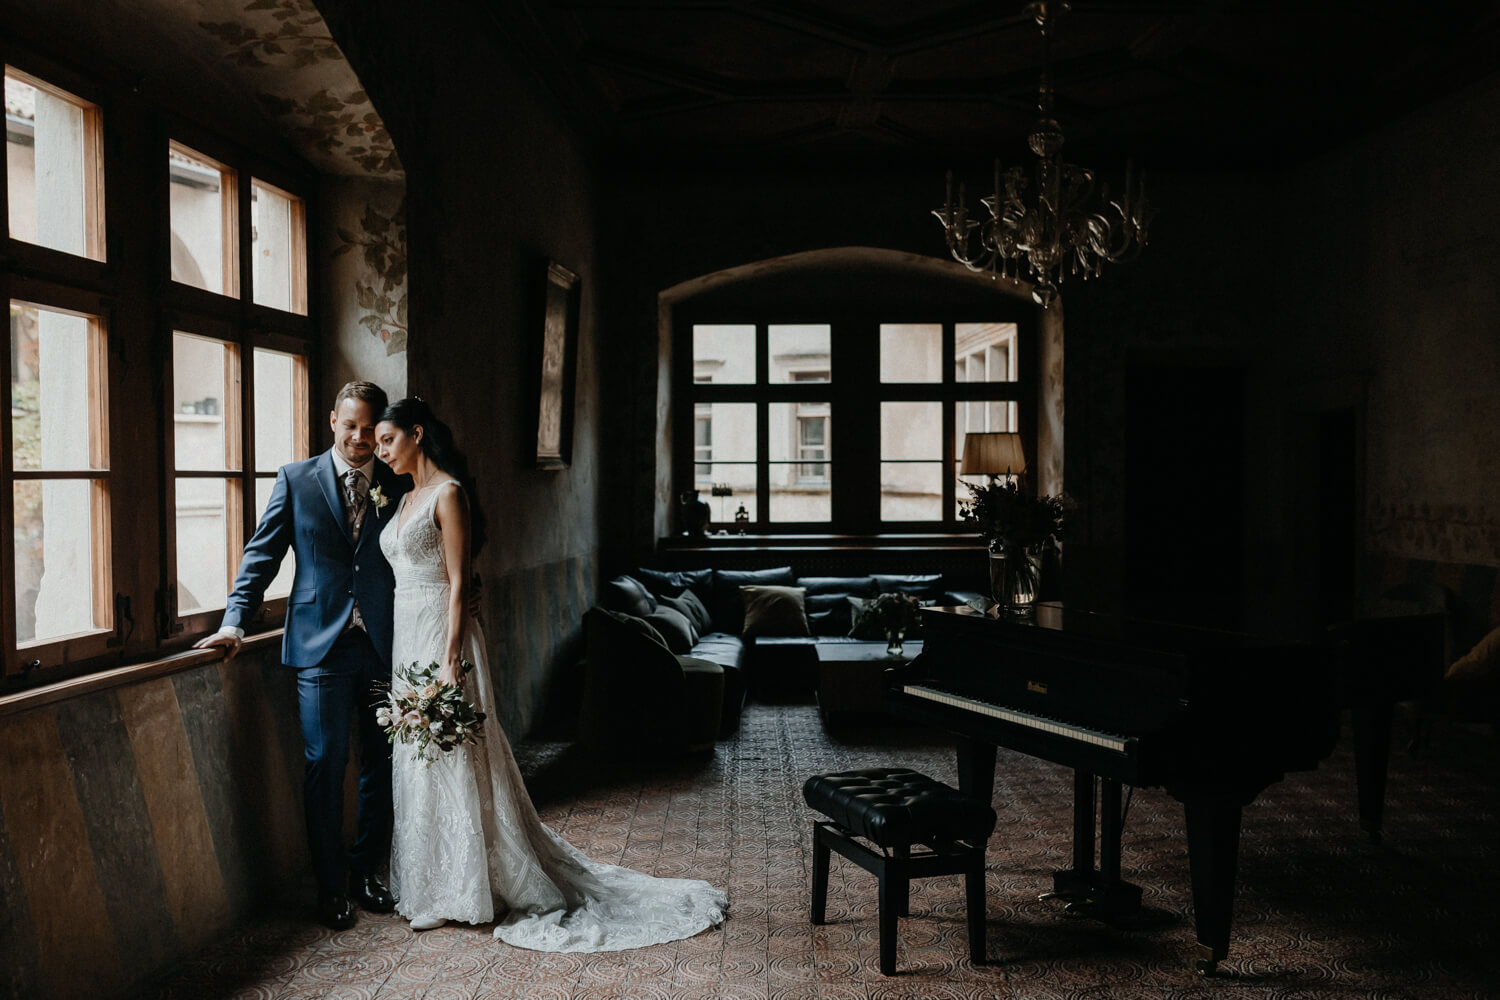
(895,615)
(1016,524)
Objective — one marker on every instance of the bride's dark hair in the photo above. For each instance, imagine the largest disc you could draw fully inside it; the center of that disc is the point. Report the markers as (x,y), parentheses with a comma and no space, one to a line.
(437,444)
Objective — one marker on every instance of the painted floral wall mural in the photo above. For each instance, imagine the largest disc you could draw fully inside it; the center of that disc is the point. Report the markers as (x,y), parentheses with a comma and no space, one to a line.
(381,289)
(282,52)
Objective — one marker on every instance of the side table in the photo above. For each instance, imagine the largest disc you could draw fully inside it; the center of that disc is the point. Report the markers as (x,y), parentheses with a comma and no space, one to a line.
(851,677)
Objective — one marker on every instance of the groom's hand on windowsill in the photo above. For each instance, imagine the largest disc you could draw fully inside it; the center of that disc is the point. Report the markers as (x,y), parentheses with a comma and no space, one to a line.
(227,641)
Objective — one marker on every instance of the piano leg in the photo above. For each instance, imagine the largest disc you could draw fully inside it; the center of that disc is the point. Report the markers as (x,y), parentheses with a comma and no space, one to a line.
(1095,892)
(1083,822)
(976,768)
(1213,835)
(1371,723)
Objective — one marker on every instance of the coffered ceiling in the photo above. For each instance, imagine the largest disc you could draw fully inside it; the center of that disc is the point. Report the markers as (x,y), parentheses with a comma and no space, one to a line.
(1193,84)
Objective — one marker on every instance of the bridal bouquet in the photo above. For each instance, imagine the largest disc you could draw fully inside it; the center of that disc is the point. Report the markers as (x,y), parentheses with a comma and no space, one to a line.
(429,713)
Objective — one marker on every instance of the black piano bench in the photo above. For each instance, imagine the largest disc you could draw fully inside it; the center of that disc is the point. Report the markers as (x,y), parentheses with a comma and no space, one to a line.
(895,808)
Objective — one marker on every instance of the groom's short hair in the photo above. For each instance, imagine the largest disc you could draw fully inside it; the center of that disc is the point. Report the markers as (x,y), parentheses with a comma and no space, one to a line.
(368,392)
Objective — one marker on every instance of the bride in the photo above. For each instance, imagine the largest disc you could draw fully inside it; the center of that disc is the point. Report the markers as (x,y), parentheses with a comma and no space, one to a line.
(468,844)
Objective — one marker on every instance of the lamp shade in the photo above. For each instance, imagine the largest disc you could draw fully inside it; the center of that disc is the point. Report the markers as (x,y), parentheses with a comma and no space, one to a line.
(993,454)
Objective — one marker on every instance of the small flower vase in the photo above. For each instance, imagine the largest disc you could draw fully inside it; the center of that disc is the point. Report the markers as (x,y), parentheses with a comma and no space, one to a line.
(893,639)
(1015,572)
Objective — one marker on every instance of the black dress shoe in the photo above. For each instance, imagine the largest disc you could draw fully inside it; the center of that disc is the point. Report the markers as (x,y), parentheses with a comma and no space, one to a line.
(370,893)
(335,911)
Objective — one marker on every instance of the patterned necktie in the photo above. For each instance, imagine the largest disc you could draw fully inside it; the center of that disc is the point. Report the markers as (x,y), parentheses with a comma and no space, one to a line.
(354,502)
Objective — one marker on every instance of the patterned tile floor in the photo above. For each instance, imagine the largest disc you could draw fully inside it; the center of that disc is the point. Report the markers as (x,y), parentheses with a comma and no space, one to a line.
(1321,912)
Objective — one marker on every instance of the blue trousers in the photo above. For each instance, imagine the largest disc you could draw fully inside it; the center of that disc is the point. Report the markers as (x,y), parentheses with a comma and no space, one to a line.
(334,697)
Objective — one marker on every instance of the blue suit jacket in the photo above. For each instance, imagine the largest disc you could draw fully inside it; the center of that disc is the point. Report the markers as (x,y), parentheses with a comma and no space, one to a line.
(305,514)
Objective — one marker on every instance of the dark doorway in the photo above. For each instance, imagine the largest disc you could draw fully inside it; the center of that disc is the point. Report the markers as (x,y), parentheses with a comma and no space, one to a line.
(1185,493)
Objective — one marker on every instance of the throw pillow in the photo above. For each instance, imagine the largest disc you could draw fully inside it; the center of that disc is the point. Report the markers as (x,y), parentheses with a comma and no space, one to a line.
(774,611)
(827,603)
(674,627)
(665,583)
(927,586)
(687,602)
(727,609)
(627,595)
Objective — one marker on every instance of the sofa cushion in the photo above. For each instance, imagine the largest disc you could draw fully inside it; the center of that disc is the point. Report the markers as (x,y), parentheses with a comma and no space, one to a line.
(693,609)
(626,655)
(671,583)
(627,595)
(675,629)
(927,586)
(774,611)
(726,607)
(863,623)
(827,601)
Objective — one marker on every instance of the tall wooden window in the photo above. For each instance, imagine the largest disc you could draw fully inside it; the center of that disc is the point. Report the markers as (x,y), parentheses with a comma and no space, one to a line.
(119,538)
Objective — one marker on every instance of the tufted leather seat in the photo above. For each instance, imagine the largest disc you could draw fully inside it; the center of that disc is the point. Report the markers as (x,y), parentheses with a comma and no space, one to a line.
(896,807)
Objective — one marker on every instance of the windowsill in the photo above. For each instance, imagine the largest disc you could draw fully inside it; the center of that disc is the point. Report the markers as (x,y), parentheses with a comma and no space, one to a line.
(822,543)
(24,701)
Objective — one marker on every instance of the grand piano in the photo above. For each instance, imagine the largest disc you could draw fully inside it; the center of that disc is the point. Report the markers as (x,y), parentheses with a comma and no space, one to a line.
(1213,717)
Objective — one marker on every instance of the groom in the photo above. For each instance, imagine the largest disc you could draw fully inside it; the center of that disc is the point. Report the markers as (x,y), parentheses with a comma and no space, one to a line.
(338,638)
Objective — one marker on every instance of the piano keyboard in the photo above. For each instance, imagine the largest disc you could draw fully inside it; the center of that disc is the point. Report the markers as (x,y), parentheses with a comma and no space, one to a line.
(1110,741)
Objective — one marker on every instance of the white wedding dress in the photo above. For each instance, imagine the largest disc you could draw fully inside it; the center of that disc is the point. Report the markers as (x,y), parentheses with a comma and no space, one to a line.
(468,844)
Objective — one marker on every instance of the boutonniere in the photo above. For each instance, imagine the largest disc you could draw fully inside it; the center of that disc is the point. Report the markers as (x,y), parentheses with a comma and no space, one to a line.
(378,498)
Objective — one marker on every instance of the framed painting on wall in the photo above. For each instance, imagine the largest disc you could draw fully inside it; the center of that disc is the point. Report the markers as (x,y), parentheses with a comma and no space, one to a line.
(559,353)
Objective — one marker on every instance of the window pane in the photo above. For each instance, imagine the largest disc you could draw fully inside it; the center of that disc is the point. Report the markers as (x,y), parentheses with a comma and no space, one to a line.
(282,584)
(203,543)
(277,244)
(56,399)
(203,222)
(799,353)
(278,414)
(911,431)
(978,416)
(800,466)
(56,560)
(727,430)
(738,479)
(724,354)
(985,352)
(52,161)
(911,491)
(911,352)
(202,369)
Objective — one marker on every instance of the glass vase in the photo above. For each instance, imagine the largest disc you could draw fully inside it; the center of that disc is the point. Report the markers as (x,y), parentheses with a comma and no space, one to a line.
(893,639)
(1015,575)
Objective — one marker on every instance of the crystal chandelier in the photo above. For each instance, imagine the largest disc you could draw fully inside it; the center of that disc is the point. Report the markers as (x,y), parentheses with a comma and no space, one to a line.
(1053,227)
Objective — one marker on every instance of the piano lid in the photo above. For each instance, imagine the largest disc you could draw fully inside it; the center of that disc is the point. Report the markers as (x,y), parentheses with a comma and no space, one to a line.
(1051,618)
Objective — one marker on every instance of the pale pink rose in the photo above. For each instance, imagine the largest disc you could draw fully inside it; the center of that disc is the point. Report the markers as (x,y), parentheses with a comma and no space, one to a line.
(413,718)
(430,691)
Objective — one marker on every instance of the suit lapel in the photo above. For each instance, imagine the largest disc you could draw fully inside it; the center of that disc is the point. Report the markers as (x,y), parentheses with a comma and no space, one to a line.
(328,480)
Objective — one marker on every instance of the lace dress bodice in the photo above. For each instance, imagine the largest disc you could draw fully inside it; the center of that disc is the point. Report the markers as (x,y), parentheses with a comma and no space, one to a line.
(468,844)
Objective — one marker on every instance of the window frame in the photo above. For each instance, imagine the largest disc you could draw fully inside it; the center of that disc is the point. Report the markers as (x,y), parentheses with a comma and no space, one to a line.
(138,306)
(853,393)
(94,641)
